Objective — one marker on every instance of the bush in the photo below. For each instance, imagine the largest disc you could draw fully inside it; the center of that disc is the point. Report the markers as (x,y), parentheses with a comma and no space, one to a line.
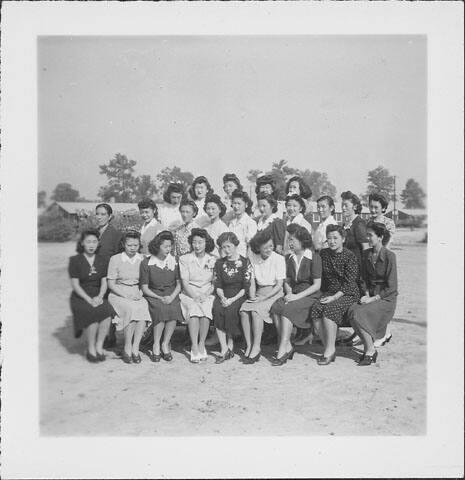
(119,221)
(52,228)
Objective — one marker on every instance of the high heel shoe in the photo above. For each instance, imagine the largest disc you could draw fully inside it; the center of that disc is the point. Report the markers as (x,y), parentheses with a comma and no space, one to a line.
(136,358)
(101,357)
(227,356)
(327,360)
(203,356)
(126,358)
(381,342)
(92,358)
(303,340)
(155,357)
(251,360)
(194,358)
(366,360)
(278,361)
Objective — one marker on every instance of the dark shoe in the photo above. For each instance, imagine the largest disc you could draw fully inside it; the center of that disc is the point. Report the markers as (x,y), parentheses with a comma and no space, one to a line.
(101,357)
(136,358)
(92,358)
(327,360)
(388,339)
(366,360)
(167,357)
(251,360)
(227,356)
(155,358)
(126,358)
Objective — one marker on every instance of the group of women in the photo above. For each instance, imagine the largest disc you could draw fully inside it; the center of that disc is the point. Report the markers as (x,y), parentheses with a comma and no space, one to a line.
(203,260)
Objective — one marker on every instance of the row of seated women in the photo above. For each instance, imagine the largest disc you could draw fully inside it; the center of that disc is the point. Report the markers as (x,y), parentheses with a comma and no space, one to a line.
(238,290)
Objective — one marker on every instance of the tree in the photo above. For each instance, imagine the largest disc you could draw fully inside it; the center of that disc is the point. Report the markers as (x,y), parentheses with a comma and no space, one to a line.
(145,187)
(380,181)
(412,195)
(253,174)
(174,174)
(319,183)
(41,198)
(64,192)
(121,180)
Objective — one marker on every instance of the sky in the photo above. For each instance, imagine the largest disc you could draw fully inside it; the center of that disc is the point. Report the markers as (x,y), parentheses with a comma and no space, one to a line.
(215,104)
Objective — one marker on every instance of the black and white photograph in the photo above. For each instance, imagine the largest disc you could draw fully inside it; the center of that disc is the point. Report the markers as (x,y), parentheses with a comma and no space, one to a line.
(232,243)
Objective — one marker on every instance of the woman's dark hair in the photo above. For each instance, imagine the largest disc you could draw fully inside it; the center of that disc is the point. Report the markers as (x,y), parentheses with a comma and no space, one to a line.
(232,177)
(227,237)
(336,228)
(214,198)
(259,239)
(270,199)
(265,180)
(130,234)
(377,197)
(354,199)
(191,204)
(330,201)
(245,198)
(86,233)
(173,188)
(302,235)
(154,245)
(380,231)
(196,181)
(202,233)
(148,203)
(106,207)
(305,190)
(298,199)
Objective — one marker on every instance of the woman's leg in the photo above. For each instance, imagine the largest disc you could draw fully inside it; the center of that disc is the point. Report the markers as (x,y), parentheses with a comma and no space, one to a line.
(230,341)
(286,330)
(367,339)
(193,326)
(204,325)
(157,332)
(91,337)
(330,329)
(257,328)
(222,339)
(245,322)
(277,324)
(317,325)
(169,330)
(102,332)
(128,334)
(138,332)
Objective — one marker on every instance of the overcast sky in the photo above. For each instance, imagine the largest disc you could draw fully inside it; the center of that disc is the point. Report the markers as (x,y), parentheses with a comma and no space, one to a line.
(337,104)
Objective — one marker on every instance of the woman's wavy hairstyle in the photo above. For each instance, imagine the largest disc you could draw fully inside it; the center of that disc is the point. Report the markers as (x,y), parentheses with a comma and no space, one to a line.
(301,234)
(173,188)
(377,197)
(154,245)
(354,199)
(270,199)
(106,207)
(185,202)
(227,237)
(336,228)
(305,190)
(196,181)
(245,198)
(298,199)
(380,231)
(329,200)
(86,233)
(202,233)
(232,177)
(148,203)
(129,234)
(214,198)
(259,239)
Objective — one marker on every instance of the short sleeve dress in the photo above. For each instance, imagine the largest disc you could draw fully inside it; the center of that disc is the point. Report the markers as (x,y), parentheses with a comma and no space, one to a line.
(340,273)
(198,273)
(125,272)
(90,279)
(299,278)
(231,276)
(161,278)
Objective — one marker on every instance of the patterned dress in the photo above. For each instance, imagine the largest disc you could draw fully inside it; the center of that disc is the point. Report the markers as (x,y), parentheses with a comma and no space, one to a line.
(340,273)
(181,236)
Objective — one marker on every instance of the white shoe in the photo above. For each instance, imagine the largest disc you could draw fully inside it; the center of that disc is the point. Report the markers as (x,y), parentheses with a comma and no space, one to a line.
(203,356)
(194,358)
(382,341)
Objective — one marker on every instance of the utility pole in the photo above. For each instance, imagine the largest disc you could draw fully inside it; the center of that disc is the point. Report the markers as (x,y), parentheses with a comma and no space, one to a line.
(394,212)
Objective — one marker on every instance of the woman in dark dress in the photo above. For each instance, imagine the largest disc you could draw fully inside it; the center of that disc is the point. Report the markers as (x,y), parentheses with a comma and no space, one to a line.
(232,282)
(269,219)
(160,284)
(379,283)
(91,311)
(339,290)
(302,288)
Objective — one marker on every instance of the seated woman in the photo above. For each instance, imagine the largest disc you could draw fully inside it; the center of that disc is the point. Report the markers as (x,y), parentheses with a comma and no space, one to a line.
(339,291)
(91,312)
(241,224)
(215,209)
(326,209)
(268,206)
(169,215)
(230,183)
(189,211)
(110,238)
(297,186)
(233,273)
(269,272)
(379,282)
(295,207)
(197,297)
(151,227)
(198,191)
(378,205)
(302,288)
(160,283)
(266,184)
(126,297)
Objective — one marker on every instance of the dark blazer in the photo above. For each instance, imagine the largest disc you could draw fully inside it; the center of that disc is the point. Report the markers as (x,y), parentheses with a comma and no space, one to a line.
(380,278)
(109,242)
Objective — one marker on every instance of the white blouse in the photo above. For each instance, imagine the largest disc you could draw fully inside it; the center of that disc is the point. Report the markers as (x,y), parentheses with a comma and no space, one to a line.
(244,228)
(319,235)
(268,271)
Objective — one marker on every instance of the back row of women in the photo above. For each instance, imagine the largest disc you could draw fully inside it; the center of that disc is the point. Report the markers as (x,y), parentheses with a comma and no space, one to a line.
(200,258)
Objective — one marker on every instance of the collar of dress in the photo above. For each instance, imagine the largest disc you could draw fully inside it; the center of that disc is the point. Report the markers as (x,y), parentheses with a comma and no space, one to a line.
(169,262)
(261,224)
(152,223)
(298,219)
(307,254)
(125,258)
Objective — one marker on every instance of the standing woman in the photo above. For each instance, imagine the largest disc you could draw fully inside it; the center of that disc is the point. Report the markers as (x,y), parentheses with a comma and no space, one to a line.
(269,272)
(149,212)
(170,216)
(233,274)
(198,191)
(197,297)
(160,283)
(295,207)
(326,209)
(110,238)
(378,206)
(215,209)
(189,211)
(302,288)
(268,206)
(296,186)
(356,233)
(241,224)
(91,312)
(126,297)
(230,183)
(339,290)
(266,184)
(379,282)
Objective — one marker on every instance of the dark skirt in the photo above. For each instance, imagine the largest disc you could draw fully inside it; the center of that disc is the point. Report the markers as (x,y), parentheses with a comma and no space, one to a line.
(85,314)
(227,319)
(298,312)
(373,317)
(334,311)
(161,312)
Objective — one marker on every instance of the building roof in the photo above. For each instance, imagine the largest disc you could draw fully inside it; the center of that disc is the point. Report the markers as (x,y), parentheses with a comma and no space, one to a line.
(412,212)
(76,207)
(338,207)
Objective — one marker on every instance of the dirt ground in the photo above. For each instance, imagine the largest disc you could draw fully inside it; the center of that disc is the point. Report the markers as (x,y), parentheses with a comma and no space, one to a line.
(179,398)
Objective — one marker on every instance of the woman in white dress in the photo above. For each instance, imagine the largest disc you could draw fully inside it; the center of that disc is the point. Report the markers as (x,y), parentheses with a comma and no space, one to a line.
(215,209)
(266,184)
(241,224)
(326,209)
(169,214)
(295,207)
(126,297)
(198,191)
(230,183)
(151,227)
(297,186)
